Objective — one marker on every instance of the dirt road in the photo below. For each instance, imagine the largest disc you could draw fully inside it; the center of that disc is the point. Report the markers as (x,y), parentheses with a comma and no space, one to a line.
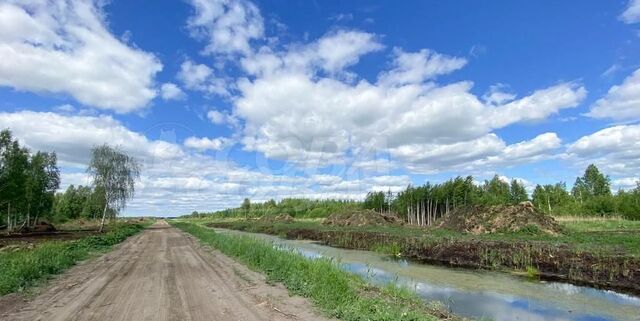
(160,274)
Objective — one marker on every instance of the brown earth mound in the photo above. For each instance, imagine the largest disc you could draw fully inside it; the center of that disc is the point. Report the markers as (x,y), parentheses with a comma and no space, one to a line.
(41,226)
(483,219)
(282,218)
(360,218)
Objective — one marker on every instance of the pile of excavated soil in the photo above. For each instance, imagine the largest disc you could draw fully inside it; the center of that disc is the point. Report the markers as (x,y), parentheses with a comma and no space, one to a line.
(282,218)
(41,226)
(361,217)
(490,219)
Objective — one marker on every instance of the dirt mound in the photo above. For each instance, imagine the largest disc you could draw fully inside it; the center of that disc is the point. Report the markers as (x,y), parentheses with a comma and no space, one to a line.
(360,218)
(282,218)
(41,226)
(489,219)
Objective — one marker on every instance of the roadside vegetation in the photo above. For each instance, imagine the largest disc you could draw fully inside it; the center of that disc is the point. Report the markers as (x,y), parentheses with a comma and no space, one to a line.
(31,247)
(335,292)
(23,267)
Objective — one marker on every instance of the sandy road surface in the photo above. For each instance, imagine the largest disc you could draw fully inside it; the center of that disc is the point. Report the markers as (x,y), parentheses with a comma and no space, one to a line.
(160,274)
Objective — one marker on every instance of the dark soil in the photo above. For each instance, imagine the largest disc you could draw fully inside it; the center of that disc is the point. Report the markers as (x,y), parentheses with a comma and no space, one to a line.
(25,239)
(553,261)
(41,226)
(361,217)
(482,219)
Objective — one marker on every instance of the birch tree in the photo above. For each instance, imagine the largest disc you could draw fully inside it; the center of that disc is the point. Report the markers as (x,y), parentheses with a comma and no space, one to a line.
(115,173)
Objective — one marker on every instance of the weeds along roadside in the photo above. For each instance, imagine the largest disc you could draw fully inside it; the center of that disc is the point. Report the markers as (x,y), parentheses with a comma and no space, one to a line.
(25,268)
(335,292)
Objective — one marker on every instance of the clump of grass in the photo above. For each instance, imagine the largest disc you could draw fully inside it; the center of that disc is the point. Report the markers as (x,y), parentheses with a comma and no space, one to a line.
(26,267)
(335,292)
(530,229)
(393,249)
(533,273)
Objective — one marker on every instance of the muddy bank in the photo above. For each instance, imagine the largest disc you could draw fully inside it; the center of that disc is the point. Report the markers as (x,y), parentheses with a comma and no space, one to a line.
(557,262)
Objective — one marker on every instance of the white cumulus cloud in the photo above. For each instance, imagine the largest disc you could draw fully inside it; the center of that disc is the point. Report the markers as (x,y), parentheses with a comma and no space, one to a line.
(416,67)
(64,47)
(632,13)
(622,102)
(616,149)
(217,117)
(317,120)
(335,51)
(72,137)
(171,91)
(303,103)
(204,143)
(200,77)
(228,26)
(332,53)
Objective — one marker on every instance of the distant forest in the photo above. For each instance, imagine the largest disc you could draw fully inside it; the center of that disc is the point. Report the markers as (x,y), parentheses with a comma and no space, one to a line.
(590,195)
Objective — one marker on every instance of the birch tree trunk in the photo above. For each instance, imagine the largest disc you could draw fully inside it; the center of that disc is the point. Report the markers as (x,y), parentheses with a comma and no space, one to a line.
(28,214)
(9,217)
(104,215)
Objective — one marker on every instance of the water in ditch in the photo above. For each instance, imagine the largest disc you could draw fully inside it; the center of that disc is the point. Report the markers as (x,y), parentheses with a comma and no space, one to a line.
(476,294)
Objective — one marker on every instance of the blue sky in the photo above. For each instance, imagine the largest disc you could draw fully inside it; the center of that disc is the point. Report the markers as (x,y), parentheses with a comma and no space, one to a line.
(226,99)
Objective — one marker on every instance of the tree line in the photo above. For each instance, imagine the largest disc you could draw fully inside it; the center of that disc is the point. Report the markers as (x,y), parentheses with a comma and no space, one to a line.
(590,195)
(29,181)
(296,207)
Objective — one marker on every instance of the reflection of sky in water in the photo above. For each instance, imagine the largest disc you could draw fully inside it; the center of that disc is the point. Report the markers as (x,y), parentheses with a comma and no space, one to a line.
(474,304)
(612,296)
(482,301)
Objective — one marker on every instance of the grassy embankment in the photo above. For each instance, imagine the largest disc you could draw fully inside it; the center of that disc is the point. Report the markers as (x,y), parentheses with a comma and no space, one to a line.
(26,267)
(597,253)
(335,292)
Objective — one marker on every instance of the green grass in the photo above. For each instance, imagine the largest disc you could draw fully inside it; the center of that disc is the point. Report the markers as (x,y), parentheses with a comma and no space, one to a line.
(335,292)
(532,272)
(24,268)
